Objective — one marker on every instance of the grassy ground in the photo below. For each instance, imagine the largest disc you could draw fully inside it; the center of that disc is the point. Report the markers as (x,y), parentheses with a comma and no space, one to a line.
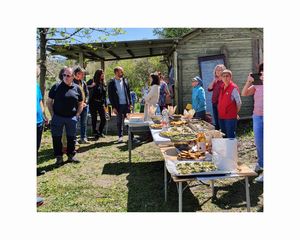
(104,181)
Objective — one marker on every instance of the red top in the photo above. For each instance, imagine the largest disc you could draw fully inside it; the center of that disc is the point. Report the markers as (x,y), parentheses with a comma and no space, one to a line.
(227,108)
(216,90)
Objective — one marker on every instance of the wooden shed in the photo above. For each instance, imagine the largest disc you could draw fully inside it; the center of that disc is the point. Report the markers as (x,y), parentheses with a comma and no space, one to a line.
(199,51)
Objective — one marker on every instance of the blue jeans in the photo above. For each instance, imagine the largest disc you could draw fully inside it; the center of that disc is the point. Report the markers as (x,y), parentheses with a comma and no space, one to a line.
(216,115)
(258,129)
(83,122)
(57,124)
(39,131)
(228,126)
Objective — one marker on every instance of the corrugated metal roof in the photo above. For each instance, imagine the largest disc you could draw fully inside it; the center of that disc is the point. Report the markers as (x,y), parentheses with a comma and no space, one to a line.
(108,51)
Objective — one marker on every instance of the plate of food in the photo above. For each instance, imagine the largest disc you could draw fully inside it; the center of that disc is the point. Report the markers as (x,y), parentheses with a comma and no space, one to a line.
(191,155)
(198,168)
(156,126)
(176,123)
(168,134)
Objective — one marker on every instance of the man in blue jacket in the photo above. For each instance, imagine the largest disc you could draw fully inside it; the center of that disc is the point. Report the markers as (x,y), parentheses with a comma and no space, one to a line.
(120,99)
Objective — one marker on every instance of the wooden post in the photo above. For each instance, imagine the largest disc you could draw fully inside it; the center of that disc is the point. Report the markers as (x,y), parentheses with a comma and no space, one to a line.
(81,59)
(102,65)
(175,68)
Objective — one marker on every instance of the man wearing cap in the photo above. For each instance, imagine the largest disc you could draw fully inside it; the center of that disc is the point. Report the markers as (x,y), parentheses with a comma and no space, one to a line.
(198,98)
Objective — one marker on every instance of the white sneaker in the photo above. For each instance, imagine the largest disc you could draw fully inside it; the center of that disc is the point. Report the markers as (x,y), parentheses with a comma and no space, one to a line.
(120,140)
(135,140)
(257,168)
(260,178)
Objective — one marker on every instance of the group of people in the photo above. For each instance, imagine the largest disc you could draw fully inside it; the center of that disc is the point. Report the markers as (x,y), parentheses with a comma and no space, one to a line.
(72,98)
(226,103)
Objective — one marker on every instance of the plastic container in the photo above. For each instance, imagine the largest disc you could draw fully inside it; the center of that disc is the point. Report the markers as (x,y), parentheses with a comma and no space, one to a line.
(165,119)
(157,111)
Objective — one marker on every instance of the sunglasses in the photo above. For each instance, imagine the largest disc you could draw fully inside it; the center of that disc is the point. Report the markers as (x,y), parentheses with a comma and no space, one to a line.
(65,75)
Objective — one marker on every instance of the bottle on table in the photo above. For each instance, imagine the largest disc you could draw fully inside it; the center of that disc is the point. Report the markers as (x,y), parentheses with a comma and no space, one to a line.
(165,119)
(201,142)
(157,111)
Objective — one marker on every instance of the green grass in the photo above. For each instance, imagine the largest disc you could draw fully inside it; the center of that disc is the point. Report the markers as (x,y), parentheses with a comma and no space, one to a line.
(105,182)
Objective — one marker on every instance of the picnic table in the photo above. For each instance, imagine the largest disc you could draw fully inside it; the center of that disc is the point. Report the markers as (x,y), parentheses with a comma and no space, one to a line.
(169,153)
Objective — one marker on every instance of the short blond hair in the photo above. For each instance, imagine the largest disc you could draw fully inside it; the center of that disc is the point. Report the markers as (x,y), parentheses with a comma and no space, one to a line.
(221,66)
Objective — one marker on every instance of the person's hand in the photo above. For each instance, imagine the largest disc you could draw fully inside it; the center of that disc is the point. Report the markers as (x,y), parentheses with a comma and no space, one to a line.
(84,105)
(238,117)
(262,76)
(250,79)
(131,107)
(92,85)
(115,111)
(46,120)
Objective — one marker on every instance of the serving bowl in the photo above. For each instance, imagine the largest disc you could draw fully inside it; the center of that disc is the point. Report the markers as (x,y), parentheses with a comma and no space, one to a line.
(156,118)
(175,117)
(184,141)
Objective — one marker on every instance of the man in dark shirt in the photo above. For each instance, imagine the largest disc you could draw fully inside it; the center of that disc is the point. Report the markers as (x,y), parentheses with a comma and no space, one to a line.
(78,76)
(120,99)
(68,98)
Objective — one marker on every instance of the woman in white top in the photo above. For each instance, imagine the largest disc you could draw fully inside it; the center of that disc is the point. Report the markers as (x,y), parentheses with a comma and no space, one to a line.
(151,97)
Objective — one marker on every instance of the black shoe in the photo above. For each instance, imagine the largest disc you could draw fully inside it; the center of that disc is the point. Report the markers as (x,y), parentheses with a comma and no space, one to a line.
(73,158)
(59,161)
(102,135)
(40,172)
(96,137)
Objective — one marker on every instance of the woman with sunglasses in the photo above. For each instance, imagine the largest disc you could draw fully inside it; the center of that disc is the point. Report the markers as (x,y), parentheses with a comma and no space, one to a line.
(97,90)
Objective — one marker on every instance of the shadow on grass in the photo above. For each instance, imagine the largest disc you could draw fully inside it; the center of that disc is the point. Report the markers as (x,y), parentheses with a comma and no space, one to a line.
(143,185)
(236,194)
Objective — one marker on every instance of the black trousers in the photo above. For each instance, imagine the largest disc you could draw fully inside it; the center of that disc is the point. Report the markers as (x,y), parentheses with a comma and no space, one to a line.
(97,107)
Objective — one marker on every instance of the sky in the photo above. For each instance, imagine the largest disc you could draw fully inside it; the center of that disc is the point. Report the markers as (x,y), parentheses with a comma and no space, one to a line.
(134,34)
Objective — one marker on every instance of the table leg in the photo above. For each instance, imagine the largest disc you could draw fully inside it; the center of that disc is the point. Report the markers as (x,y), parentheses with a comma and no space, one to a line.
(180,196)
(165,180)
(129,143)
(247,194)
(212,187)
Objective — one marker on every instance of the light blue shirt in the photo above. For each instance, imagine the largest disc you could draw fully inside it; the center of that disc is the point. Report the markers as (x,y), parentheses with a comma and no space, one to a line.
(121,91)
(198,99)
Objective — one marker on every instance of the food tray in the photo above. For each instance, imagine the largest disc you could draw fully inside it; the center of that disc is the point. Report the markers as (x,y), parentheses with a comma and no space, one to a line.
(208,156)
(128,115)
(171,166)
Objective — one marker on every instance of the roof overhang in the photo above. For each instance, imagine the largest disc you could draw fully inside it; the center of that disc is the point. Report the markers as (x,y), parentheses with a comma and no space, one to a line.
(109,51)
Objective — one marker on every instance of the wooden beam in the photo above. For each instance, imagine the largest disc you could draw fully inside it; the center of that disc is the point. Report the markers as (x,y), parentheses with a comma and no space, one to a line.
(55,52)
(129,51)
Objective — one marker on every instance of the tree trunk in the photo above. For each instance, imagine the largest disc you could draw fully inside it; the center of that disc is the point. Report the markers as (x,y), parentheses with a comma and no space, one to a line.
(43,43)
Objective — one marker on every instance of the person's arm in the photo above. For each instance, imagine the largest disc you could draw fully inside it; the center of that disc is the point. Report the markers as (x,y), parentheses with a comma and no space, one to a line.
(79,109)
(150,93)
(43,112)
(211,85)
(247,91)
(50,106)
(201,97)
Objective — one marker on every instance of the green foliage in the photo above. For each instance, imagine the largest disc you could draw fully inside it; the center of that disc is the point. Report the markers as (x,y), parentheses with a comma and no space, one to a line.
(170,32)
